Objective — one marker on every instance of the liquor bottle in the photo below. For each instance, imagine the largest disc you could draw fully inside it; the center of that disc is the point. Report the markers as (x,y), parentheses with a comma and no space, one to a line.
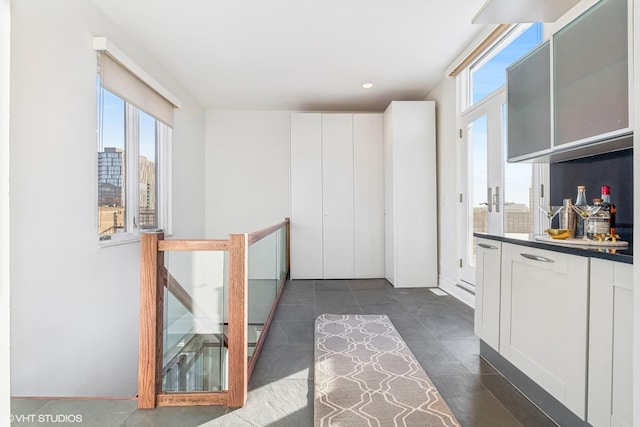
(610,208)
(581,202)
(599,224)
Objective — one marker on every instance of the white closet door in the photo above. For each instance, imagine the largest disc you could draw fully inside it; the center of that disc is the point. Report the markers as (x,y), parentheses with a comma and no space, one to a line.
(410,199)
(337,195)
(306,196)
(368,183)
(414,194)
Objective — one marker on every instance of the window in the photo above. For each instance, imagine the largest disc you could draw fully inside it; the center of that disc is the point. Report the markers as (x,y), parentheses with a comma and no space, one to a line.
(134,139)
(488,73)
(499,197)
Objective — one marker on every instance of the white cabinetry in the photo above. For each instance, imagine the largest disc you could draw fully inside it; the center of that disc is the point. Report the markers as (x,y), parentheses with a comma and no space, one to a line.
(306,196)
(410,194)
(368,195)
(543,320)
(591,75)
(610,344)
(337,223)
(570,99)
(487,309)
(337,196)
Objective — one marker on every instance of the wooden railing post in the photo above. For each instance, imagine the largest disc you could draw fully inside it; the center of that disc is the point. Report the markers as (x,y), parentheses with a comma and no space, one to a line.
(238,301)
(151,318)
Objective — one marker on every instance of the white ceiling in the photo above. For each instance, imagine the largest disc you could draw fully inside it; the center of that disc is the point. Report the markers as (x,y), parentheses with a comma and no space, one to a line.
(500,11)
(301,54)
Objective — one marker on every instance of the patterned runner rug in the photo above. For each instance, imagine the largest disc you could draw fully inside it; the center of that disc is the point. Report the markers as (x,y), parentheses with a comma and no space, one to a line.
(365,375)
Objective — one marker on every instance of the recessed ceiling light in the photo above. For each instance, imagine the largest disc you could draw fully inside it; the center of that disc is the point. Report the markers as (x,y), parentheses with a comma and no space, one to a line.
(367,85)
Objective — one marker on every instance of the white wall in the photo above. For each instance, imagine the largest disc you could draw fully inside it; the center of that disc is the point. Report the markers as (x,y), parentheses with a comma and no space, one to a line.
(5,364)
(74,318)
(247,170)
(448,166)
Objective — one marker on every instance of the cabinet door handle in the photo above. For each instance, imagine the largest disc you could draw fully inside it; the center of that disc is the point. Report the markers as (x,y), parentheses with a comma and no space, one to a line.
(537,258)
(484,245)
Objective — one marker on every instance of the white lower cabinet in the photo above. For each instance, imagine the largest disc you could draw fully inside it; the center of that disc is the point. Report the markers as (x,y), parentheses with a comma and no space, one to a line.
(610,399)
(544,320)
(487,309)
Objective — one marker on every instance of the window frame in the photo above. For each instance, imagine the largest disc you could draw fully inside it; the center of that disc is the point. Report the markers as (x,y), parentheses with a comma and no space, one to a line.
(466,107)
(131,161)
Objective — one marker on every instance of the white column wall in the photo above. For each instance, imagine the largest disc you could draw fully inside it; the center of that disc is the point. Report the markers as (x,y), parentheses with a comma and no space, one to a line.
(447,153)
(5,318)
(75,306)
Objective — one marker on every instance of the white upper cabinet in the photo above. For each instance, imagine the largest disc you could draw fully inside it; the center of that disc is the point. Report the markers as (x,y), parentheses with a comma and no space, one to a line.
(529,104)
(591,75)
(572,98)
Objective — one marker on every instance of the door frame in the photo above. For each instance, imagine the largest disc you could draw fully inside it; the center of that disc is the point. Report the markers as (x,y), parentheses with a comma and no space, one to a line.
(491,107)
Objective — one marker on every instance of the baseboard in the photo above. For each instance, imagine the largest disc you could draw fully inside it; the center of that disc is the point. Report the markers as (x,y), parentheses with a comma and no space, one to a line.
(454,290)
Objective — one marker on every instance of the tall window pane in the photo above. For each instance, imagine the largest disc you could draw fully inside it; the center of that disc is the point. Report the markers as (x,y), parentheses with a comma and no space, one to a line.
(111,165)
(147,175)
(518,191)
(478,172)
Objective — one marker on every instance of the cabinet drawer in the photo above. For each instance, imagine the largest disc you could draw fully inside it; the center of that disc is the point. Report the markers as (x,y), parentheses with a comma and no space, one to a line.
(541,259)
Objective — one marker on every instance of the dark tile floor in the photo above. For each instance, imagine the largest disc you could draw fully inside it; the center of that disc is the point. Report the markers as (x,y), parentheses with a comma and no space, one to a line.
(438,330)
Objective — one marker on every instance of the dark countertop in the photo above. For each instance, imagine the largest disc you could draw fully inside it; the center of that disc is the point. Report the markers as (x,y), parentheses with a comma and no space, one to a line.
(613,254)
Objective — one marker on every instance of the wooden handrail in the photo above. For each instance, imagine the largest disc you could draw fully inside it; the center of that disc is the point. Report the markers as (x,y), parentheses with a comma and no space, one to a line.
(193,245)
(256,236)
(179,292)
(154,277)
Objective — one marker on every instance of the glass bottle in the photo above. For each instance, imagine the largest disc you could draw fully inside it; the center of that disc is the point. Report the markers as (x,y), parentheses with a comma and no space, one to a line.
(610,209)
(599,222)
(581,201)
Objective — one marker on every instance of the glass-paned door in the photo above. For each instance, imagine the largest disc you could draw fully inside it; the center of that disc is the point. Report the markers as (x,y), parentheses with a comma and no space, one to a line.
(498,196)
(483,136)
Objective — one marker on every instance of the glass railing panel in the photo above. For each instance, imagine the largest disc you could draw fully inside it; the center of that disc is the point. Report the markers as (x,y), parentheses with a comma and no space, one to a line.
(282,254)
(194,344)
(263,285)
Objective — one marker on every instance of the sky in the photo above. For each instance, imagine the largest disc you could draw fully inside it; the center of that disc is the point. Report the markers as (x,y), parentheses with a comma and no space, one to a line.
(113,126)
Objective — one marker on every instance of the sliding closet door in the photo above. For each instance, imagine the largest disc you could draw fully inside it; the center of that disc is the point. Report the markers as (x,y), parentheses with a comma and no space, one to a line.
(306,196)
(368,195)
(337,196)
